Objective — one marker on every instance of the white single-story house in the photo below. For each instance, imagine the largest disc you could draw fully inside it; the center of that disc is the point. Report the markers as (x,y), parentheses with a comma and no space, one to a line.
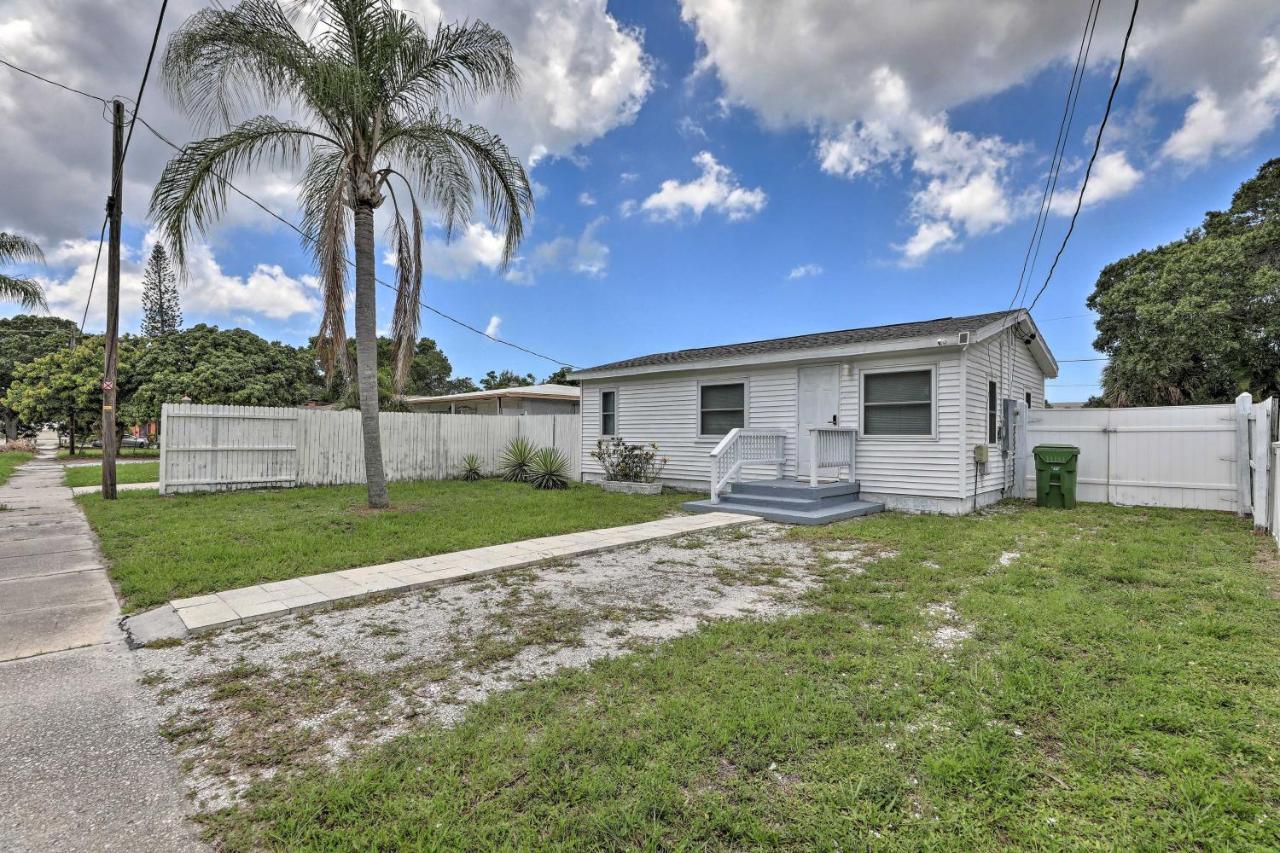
(905,412)
(521,400)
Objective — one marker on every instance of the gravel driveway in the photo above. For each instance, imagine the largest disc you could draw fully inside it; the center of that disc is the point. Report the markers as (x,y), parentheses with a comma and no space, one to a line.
(252,702)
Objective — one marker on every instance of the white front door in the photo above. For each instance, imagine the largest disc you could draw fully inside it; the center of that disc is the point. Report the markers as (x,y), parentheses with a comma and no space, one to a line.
(819,406)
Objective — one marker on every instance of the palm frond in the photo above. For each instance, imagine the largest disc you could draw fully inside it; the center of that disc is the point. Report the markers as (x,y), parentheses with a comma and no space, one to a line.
(325,218)
(192,191)
(25,291)
(440,152)
(406,317)
(223,62)
(458,64)
(14,248)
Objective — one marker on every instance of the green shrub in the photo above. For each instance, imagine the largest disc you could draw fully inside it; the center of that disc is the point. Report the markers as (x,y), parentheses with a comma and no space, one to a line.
(514,464)
(629,463)
(471,468)
(549,469)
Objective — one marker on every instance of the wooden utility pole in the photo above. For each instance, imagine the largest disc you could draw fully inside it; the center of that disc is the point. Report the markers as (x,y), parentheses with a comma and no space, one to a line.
(114,203)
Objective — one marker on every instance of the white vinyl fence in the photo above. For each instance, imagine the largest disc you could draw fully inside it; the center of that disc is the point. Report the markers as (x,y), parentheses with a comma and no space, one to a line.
(215,448)
(1201,457)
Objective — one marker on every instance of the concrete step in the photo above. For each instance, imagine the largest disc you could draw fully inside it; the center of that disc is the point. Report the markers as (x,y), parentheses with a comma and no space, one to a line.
(795,489)
(825,514)
(789,502)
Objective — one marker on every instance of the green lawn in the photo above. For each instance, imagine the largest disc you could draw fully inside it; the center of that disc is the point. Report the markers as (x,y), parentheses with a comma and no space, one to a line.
(1120,689)
(9,460)
(87,453)
(140,472)
(165,548)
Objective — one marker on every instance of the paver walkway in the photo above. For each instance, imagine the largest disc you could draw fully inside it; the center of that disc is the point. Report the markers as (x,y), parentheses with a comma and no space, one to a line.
(220,610)
(82,766)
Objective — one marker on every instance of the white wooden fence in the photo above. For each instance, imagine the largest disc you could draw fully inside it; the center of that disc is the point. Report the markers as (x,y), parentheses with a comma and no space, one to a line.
(216,448)
(1202,457)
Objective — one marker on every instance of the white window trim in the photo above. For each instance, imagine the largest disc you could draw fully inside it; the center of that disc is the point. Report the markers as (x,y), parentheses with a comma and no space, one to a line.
(617,425)
(745,381)
(932,367)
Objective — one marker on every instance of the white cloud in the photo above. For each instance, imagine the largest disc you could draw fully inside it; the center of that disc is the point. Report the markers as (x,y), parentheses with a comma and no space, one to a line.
(628,177)
(804,271)
(875,87)
(208,292)
(962,178)
(717,188)
(690,129)
(586,199)
(583,74)
(1112,176)
(494,329)
(474,248)
(1229,123)
(584,254)
(928,237)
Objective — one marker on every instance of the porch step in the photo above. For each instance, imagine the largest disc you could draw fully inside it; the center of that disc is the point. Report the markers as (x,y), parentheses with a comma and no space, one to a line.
(795,489)
(784,501)
(826,512)
(791,501)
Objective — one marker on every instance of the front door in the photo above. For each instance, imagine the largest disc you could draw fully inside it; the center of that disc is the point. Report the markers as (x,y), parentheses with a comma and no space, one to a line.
(819,406)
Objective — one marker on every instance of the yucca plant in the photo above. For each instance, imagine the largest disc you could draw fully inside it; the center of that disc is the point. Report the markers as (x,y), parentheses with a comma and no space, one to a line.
(549,469)
(515,460)
(471,468)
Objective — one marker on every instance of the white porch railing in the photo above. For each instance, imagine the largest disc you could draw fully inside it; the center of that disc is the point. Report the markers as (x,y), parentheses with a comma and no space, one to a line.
(745,447)
(831,447)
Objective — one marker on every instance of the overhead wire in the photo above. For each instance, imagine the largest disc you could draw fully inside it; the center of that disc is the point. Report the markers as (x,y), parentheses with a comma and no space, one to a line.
(149,127)
(1097,145)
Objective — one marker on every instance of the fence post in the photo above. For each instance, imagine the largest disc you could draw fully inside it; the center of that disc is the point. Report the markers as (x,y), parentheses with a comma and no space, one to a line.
(1244,496)
(164,430)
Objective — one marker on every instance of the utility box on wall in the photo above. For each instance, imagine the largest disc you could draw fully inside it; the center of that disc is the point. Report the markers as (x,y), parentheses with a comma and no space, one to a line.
(980,454)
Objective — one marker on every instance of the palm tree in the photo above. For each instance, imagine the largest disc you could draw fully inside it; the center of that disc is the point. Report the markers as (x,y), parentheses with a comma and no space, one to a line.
(14,248)
(368,92)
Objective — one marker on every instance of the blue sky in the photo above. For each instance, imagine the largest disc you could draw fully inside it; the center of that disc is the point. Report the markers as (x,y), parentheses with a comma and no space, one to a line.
(700,178)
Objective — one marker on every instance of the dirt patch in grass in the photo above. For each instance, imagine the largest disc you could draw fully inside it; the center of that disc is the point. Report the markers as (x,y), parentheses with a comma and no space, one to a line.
(251,703)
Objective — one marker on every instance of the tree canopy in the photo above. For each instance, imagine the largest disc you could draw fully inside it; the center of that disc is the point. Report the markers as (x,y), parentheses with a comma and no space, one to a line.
(494,381)
(24,338)
(1198,320)
(210,365)
(67,383)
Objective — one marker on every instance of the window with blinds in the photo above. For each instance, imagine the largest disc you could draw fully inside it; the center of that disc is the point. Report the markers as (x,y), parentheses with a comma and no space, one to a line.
(608,412)
(899,403)
(721,408)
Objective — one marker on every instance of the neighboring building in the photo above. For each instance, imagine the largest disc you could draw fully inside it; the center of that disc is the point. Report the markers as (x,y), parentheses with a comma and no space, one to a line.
(521,400)
(921,397)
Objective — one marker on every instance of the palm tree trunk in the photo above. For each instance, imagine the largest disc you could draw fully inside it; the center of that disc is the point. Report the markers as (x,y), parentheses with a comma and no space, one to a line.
(367,356)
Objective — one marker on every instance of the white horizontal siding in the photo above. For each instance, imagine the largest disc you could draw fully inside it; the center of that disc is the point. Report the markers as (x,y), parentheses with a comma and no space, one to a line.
(1008,360)
(663,409)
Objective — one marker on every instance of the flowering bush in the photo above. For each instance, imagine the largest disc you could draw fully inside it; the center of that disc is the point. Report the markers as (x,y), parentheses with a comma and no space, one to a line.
(629,463)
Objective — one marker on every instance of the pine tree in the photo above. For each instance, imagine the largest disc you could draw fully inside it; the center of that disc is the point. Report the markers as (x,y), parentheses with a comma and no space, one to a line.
(161,312)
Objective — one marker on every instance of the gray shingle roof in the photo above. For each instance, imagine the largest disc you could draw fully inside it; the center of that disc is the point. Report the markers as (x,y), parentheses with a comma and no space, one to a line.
(818,340)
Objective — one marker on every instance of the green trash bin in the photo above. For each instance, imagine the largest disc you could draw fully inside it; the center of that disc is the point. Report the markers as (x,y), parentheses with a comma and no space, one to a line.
(1056,475)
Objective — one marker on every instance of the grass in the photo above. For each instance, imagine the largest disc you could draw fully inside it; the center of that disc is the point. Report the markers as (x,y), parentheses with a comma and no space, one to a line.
(9,460)
(1118,687)
(96,453)
(165,548)
(142,472)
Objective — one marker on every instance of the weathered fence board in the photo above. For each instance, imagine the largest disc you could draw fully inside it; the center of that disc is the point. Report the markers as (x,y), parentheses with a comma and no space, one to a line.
(214,448)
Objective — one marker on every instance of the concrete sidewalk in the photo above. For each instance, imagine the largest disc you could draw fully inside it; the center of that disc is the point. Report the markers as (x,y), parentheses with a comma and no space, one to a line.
(190,616)
(82,766)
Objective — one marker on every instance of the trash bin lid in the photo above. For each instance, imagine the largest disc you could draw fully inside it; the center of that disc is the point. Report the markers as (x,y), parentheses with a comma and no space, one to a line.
(1055,452)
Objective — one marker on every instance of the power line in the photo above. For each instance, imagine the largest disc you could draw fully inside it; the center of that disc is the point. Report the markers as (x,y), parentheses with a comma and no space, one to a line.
(146,73)
(226,182)
(271,213)
(1059,148)
(102,235)
(1074,360)
(1097,145)
(64,86)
